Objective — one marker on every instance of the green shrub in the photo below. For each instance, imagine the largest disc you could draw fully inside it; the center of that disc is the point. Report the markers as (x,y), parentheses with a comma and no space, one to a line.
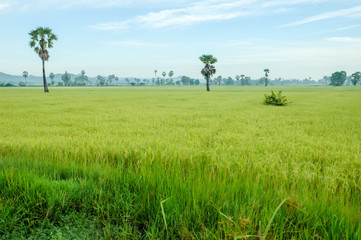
(275,99)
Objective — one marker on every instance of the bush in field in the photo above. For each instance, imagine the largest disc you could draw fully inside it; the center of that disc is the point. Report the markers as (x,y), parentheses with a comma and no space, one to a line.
(275,99)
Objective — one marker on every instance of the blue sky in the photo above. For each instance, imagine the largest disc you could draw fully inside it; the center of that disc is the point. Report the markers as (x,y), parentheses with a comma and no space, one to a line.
(293,38)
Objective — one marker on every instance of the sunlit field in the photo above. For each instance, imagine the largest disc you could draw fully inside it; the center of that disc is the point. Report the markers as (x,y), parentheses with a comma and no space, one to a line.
(180,163)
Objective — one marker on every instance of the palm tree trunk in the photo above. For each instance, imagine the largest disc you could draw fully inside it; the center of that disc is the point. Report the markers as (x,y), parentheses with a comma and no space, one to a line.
(44,79)
(207,78)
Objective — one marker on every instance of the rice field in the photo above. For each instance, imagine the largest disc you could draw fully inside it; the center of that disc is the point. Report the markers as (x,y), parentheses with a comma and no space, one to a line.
(180,163)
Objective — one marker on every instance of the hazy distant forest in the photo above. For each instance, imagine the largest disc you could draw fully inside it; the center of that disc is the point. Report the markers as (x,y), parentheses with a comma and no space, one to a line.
(168,79)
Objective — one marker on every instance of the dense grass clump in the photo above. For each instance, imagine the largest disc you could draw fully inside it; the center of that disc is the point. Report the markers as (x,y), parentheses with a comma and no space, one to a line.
(179,163)
(275,99)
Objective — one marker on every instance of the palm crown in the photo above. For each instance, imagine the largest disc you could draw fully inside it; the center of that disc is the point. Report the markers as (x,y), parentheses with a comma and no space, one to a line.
(41,39)
(209,69)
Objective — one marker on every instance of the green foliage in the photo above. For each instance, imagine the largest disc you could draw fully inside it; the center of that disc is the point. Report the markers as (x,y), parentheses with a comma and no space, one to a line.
(338,78)
(66,78)
(355,78)
(275,99)
(81,80)
(101,80)
(7,85)
(177,163)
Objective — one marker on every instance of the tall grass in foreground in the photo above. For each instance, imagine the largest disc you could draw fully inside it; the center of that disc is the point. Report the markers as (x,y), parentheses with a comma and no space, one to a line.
(158,163)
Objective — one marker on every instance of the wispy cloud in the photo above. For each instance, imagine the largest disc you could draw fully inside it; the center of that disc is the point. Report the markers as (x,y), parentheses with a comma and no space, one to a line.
(344,39)
(131,43)
(349,12)
(4,5)
(204,11)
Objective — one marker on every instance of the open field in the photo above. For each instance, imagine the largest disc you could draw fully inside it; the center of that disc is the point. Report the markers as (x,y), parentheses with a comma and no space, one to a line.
(178,162)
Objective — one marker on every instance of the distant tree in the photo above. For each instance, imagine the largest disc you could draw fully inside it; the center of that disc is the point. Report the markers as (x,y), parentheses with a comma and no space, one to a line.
(66,77)
(110,79)
(185,80)
(242,80)
(325,79)
(116,79)
(237,79)
(208,69)
(52,76)
(100,80)
(266,72)
(338,78)
(127,81)
(197,82)
(261,81)
(218,80)
(170,74)
(155,76)
(229,81)
(163,74)
(41,39)
(25,75)
(355,78)
(81,80)
(247,80)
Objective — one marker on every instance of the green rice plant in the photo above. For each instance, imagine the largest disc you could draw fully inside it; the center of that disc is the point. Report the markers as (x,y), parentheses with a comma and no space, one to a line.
(99,163)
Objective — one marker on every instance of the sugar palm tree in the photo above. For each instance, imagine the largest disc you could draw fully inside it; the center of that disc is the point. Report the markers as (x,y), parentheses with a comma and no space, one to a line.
(25,75)
(155,76)
(163,74)
(208,69)
(41,39)
(266,72)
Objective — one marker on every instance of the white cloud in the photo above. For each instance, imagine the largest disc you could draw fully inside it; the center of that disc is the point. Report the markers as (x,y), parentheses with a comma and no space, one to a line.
(26,5)
(4,5)
(204,11)
(134,44)
(344,39)
(349,12)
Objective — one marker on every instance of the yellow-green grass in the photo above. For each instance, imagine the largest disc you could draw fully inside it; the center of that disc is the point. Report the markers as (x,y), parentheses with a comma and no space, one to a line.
(179,162)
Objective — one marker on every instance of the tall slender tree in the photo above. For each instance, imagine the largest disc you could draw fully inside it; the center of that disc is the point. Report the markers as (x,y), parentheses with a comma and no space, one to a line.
(25,75)
(163,74)
(41,39)
(208,69)
(266,72)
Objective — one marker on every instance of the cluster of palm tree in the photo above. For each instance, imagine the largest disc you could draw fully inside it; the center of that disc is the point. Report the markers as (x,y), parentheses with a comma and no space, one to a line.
(158,81)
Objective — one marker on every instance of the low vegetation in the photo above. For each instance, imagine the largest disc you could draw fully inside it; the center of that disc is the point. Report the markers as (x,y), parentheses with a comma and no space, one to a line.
(275,99)
(179,163)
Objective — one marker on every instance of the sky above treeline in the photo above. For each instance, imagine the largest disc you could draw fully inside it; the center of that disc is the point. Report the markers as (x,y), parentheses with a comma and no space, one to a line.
(132,38)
